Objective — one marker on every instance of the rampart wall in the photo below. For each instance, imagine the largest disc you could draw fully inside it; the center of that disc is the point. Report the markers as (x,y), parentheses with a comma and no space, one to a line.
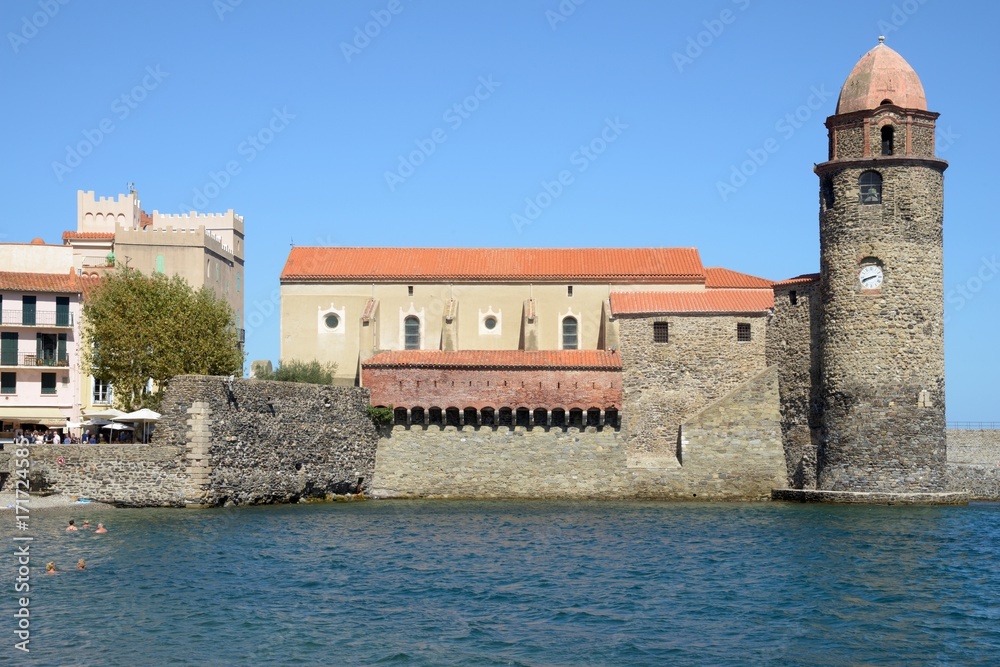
(731,450)
(974,462)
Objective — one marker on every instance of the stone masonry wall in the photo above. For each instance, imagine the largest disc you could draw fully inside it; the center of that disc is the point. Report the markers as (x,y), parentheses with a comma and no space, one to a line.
(793,348)
(139,475)
(733,448)
(974,446)
(732,452)
(269,441)
(665,383)
(882,351)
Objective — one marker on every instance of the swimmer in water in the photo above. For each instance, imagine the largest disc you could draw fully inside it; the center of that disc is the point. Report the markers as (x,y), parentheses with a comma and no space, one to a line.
(101,528)
(81,564)
(50,568)
(71,528)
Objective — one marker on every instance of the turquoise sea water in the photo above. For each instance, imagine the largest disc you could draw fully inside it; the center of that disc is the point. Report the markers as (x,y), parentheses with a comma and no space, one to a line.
(511,583)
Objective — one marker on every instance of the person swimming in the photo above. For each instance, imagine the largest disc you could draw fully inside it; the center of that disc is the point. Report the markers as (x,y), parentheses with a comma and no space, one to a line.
(71,528)
(81,564)
(101,528)
(86,524)
(50,568)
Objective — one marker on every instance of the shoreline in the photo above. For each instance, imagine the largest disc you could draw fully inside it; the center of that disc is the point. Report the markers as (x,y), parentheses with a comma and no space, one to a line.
(53,502)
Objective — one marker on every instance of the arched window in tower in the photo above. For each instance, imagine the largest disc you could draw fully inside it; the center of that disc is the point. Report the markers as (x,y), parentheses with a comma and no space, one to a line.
(888,133)
(870,184)
(411,332)
(569,334)
(828,196)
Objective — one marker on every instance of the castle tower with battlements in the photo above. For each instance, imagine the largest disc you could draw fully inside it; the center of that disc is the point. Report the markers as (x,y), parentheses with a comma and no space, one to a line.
(206,249)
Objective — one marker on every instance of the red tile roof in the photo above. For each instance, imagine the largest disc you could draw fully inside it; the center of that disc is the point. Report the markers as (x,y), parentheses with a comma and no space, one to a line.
(58,283)
(102,236)
(506,359)
(716,277)
(621,265)
(799,280)
(716,301)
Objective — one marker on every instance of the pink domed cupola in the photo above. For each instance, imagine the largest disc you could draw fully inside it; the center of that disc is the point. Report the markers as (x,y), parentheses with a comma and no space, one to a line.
(882,76)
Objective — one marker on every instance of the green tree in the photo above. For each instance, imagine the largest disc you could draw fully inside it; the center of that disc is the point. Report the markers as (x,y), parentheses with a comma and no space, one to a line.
(309,372)
(138,328)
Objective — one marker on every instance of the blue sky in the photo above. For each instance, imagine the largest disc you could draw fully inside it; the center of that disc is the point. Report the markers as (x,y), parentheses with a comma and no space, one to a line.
(436,127)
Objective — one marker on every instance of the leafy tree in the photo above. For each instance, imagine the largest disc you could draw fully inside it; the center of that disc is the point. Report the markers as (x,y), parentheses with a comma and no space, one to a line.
(138,328)
(309,372)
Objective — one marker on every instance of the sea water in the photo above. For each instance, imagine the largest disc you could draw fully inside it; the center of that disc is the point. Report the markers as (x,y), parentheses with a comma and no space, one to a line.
(512,583)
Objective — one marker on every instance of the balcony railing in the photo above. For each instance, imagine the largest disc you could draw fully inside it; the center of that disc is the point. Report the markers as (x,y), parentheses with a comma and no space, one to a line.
(40,318)
(34,361)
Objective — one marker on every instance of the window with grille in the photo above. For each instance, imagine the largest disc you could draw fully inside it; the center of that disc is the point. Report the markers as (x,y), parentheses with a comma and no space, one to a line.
(870,184)
(570,334)
(661,332)
(411,333)
(743,332)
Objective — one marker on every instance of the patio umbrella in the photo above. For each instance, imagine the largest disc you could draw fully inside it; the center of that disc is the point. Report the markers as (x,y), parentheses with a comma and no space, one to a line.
(109,413)
(144,416)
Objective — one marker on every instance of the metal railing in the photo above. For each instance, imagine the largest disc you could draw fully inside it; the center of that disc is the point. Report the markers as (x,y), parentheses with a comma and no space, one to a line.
(974,426)
(34,360)
(40,318)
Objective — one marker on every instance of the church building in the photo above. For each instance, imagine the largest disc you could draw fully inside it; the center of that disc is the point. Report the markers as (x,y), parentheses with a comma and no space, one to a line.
(712,381)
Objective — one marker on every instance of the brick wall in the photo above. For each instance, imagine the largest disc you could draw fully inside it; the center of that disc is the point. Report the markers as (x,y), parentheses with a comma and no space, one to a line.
(481,388)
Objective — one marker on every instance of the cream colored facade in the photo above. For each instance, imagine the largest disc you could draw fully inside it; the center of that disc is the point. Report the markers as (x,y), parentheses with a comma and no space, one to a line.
(453,316)
(206,249)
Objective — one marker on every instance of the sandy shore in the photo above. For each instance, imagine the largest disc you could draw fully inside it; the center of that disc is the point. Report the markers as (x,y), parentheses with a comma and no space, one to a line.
(56,501)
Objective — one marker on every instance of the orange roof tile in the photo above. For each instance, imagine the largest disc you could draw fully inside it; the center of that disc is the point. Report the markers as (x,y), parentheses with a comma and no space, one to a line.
(716,277)
(59,283)
(717,301)
(622,265)
(102,236)
(507,359)
(799,280)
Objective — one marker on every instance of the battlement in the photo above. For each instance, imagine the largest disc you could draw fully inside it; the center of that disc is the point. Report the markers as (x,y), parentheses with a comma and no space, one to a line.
(175,236)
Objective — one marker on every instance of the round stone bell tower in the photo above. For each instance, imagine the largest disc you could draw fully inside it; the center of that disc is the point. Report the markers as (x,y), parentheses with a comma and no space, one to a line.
(881,280)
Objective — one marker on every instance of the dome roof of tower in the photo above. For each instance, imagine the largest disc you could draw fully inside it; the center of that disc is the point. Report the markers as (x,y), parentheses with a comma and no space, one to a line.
(882,76)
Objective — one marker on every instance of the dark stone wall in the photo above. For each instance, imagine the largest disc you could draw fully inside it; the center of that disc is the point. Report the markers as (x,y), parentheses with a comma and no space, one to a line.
(793,349)
(881,349)
(270,441)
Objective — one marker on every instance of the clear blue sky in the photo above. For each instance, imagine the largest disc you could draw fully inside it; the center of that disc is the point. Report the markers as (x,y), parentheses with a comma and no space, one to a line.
(201,77)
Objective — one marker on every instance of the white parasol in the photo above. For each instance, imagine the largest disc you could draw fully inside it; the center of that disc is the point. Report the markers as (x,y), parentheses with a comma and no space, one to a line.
(144,416)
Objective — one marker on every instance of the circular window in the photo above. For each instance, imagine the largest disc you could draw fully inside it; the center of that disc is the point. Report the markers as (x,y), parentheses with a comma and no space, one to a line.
(490,323)
(332,321)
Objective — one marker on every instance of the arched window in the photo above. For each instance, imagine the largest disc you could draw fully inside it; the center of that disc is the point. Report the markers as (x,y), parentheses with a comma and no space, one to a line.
(887,136)
(870,184)
(569,334)
(411,332)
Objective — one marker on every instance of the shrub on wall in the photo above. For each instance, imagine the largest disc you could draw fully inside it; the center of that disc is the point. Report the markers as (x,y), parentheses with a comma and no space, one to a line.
(308,372)
(381,416)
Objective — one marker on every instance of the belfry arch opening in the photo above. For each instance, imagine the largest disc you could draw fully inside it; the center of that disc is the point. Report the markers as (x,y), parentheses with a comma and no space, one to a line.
(888,137)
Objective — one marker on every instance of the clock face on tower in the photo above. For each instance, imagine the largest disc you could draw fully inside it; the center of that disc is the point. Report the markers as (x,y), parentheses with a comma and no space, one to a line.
(870,277)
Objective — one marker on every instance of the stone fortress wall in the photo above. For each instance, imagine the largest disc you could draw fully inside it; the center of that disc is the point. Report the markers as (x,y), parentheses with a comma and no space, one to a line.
(974,462)
(262,442)
(211,450)
(729,450)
